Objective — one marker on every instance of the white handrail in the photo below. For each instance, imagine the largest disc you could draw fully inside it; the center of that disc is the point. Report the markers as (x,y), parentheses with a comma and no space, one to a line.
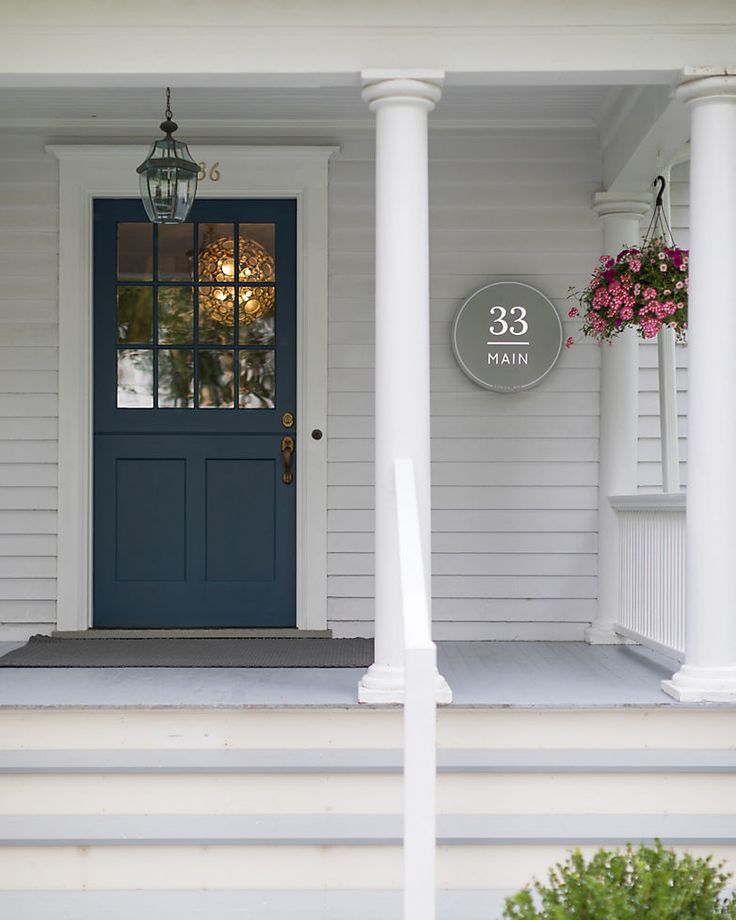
(420,706)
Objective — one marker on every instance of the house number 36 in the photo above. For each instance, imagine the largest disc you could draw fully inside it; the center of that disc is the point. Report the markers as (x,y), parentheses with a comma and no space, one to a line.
(213,173)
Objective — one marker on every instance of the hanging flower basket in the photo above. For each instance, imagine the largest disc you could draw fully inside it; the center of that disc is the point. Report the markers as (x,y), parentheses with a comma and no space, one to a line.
(643,286)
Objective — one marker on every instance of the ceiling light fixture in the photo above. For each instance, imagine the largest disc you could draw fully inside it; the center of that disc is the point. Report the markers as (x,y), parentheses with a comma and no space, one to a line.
(168,176)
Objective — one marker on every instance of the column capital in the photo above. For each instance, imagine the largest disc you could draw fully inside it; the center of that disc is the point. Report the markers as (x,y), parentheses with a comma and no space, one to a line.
(700,83)
(419,86)
(636,205)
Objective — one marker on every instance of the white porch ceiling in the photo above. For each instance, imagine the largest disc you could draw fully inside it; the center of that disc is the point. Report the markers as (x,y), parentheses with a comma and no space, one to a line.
(30,106)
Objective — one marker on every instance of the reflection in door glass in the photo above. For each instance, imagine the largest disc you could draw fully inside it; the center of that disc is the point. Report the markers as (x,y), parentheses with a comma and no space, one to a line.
(175,315)
(135,378)
(175,252)
(257,380)
(135,252)
(135,315)
(256,315)
(257,252)
(216,379)
(216,258)
(217,315)
(175,378)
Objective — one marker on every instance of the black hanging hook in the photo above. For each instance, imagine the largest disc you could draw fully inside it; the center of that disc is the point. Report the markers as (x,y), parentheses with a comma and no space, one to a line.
(659,225)
(660,193)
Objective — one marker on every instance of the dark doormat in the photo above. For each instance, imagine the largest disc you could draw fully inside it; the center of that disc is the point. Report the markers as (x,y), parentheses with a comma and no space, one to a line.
(53,652)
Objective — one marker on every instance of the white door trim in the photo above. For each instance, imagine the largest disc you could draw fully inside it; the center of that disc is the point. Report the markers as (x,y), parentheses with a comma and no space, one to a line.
(89,172)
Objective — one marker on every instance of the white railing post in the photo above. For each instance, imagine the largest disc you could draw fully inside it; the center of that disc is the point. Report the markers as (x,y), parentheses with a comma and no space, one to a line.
(420,806)
(420,708)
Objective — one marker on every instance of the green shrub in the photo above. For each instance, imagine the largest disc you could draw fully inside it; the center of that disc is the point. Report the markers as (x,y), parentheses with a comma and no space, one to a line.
(627,884)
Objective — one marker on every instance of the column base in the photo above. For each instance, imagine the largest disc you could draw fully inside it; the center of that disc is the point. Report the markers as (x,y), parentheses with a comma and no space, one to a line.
(604,634)
(384,684)
(694,684)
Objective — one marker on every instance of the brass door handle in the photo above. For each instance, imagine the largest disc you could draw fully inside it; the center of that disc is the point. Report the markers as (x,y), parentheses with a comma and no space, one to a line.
(287,452)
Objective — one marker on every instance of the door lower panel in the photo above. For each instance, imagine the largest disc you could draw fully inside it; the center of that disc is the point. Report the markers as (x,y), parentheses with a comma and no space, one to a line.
(186,532)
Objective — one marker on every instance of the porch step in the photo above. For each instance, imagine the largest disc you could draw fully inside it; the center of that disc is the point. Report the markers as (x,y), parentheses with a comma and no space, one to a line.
(375,761)
(300,904)
(321,830)
(293,812)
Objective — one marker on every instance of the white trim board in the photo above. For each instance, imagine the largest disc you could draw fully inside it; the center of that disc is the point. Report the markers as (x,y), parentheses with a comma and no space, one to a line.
(89,172)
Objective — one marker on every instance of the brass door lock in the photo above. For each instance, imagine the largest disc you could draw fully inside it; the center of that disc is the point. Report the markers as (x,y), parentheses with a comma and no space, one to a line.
(287,420)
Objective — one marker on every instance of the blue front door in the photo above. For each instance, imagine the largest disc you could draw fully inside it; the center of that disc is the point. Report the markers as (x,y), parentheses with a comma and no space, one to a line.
(195,388)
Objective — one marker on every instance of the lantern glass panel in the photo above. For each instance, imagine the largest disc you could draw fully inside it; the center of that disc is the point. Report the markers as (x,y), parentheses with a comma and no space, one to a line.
(168,182)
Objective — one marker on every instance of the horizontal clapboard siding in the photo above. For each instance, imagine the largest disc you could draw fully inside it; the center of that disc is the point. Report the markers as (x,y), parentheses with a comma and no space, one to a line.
(650,453)
(28,386)
(514,477)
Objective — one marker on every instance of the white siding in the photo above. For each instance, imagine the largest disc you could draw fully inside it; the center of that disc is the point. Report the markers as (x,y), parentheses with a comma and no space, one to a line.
(514,477)
(650,454)
(28,386)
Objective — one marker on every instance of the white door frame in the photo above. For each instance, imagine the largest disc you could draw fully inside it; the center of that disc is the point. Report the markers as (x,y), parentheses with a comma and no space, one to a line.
(89,172)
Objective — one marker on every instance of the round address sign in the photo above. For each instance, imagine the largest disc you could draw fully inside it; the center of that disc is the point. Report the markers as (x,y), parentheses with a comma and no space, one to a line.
(507,336)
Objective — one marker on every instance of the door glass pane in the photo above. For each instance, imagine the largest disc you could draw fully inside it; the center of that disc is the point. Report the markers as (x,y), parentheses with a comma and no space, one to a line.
(175,252)
(216,259)
(135,315)
(175,315)
(175,378)
(257,252)
(216,379)
(135,378)
(135,252)
(257,380)
(217,315)
(256,315)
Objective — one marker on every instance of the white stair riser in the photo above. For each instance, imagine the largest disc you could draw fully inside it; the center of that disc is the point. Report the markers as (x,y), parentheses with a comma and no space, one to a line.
(364,728)
(278,868)
(357,793)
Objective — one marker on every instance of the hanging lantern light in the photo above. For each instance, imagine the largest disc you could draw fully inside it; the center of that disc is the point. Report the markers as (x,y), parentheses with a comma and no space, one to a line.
(168,176)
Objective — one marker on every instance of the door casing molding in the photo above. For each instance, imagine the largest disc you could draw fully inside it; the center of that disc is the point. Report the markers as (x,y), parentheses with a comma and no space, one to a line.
(87,172)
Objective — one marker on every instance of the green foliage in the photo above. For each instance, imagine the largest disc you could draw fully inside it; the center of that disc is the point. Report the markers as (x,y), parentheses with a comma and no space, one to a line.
(628,884)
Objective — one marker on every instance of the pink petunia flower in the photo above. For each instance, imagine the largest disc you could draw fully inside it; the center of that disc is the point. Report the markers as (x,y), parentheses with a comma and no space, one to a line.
(570,342)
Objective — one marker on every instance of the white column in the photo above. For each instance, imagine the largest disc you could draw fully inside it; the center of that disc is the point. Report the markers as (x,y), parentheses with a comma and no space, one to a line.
(401,104)
(619,411)
(709,672)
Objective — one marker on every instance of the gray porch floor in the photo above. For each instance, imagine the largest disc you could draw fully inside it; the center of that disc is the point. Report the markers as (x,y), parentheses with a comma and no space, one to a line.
(542,675)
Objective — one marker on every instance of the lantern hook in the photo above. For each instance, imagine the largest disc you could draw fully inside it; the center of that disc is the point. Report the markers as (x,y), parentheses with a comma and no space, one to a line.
(168,126)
